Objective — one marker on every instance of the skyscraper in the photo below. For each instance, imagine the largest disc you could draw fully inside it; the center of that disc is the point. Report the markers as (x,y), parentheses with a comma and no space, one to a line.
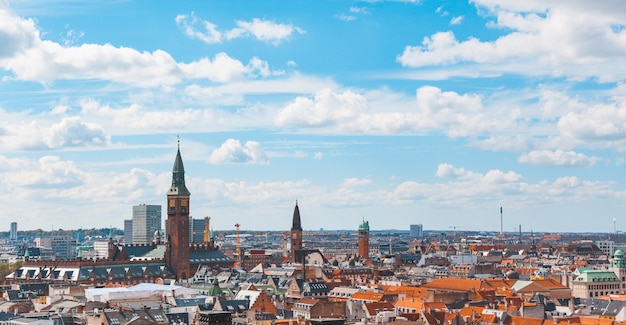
(416,231)
(146,220)
(177,254)
(196,230)
(13,234)
(128,231)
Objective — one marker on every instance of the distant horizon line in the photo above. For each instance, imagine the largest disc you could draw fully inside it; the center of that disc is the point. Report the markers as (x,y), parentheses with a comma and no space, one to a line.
(490,232)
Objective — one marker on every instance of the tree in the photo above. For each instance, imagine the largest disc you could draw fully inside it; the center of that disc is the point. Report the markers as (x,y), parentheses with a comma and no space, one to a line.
(8,268)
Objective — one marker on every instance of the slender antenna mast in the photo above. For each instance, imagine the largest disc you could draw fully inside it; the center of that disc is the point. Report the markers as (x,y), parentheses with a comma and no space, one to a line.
(500,220)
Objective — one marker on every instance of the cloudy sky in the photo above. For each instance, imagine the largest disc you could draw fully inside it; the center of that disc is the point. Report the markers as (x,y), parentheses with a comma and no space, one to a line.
(396,112)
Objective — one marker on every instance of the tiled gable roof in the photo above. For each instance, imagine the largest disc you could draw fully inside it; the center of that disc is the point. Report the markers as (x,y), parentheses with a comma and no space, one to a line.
(519,320)
(367,296)
(373,308)
(453,284)
(416,304)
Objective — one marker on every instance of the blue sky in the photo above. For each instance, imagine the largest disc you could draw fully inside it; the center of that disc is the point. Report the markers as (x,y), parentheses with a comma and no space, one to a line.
(396,112)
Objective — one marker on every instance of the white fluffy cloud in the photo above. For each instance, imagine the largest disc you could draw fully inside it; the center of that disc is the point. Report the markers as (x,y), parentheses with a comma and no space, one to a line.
(326,108)
(557,158)
(69,132)
(232,152)
(469,189)
(262,30)
(433,111)
(31,58)
(576,39)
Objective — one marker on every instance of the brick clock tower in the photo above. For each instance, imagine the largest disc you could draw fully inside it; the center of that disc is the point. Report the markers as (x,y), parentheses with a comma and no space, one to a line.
(177,255)
(364,240)
(296,233)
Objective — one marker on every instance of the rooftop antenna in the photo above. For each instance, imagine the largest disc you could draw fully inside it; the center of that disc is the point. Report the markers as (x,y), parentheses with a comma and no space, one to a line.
(500,220)
(614,226)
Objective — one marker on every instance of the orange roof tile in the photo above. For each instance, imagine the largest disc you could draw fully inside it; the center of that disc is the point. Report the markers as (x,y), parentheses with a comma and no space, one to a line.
(519,320)
(471,310)
(453,284)
(566,320)
(591,320)
(550,284)
(488,318)
(416,304)
(367,296)
(497,283)
(435,305)
(407,290)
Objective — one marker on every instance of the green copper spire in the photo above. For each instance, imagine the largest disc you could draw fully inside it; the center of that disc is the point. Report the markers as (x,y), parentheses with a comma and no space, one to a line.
(178,176)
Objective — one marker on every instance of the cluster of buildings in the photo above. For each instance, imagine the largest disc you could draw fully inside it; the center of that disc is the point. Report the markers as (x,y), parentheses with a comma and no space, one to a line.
(298,277)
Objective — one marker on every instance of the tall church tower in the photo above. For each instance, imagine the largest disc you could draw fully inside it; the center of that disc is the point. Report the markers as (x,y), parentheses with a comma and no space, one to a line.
(364,240)
(177,256)
(296,233)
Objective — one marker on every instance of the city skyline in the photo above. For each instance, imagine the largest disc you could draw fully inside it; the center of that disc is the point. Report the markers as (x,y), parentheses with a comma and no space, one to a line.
(394,112)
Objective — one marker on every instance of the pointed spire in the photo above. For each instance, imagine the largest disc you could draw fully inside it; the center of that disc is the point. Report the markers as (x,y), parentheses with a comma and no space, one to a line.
(178,175)
(295,225)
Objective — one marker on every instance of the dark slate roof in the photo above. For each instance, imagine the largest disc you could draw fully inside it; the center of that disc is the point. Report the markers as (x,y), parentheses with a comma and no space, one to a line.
(118,272)
(32,251)
(178,318)
(206,306)
(136,271)
(317,287)
(189,302)
(208,257)
(18,295)
(234,306)
(153,270)
(100,273)
(597,306)
(41,289)
(138,250)
(7,316)
(614,307)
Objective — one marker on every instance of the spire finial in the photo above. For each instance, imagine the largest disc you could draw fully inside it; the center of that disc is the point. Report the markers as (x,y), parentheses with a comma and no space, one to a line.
(178,137)
(296,201)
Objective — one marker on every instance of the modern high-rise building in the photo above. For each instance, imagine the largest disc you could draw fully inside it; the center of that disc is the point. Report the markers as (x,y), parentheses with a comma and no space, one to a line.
(146,221)
(416,231)
(128,231)
(64,247)
(196,230)
(13,234)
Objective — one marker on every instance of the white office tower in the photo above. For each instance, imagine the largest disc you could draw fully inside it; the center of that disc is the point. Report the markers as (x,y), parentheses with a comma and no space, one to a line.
(146,220)
(416,231)
(13,234)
